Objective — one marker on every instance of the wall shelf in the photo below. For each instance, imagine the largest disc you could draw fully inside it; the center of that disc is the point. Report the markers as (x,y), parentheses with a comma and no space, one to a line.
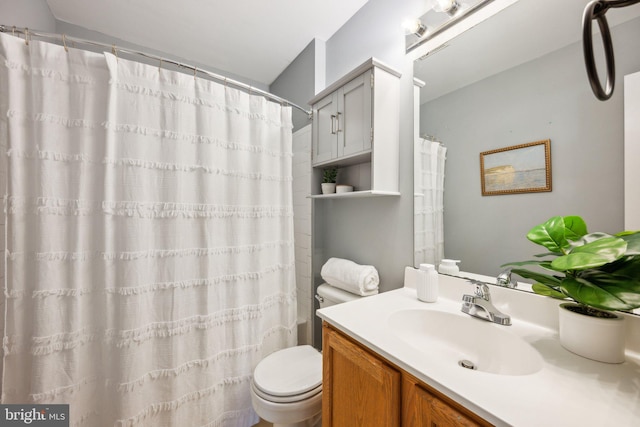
(355,194)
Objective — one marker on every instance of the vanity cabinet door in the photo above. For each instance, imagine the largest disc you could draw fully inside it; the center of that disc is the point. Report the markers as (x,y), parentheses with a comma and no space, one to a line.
(422,408)
(359,389)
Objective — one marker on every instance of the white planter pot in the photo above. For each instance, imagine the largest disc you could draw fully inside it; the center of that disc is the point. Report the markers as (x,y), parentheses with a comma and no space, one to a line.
(601,339)
(328,187)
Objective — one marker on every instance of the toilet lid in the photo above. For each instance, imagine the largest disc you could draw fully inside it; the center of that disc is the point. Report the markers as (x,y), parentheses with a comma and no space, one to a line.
(291,371)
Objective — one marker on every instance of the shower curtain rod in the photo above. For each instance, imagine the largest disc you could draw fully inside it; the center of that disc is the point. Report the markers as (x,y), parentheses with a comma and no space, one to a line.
(63,38)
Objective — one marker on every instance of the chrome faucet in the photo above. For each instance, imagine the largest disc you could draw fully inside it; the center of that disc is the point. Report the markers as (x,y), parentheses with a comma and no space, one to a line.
(504,279)
(479,305)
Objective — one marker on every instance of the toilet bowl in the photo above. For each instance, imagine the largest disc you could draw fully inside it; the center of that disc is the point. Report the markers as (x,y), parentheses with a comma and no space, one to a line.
(286,389)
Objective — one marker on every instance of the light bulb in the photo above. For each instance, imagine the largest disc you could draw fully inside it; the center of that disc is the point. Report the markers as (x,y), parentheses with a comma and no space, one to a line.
(414,26)
(447,6)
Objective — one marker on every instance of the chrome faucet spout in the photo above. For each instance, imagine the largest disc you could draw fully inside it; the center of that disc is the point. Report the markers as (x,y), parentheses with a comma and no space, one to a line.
(504,279)
(479,305)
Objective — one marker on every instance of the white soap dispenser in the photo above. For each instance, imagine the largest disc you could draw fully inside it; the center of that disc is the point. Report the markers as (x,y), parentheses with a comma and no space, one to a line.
(449,266)
(427,285)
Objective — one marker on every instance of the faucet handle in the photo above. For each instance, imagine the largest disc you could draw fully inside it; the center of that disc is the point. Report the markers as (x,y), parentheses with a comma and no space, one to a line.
(481,290)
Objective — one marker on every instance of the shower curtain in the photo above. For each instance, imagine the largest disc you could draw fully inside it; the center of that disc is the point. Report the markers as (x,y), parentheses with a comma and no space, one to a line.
(149,239)
(429,165)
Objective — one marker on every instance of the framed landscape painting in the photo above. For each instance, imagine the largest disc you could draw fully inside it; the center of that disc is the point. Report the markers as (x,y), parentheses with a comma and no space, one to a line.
(524,168)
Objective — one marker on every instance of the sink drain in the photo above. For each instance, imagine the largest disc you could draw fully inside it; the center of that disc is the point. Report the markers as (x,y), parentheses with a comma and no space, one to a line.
(467,364)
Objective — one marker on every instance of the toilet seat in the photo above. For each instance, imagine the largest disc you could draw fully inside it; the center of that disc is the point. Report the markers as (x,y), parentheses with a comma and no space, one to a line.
(286,399)
(289,375)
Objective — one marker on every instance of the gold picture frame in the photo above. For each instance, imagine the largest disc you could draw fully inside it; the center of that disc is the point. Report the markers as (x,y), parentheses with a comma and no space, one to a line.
(523,168)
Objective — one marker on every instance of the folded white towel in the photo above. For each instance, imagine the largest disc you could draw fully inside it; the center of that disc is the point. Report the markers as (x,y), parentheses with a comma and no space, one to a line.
(351,277)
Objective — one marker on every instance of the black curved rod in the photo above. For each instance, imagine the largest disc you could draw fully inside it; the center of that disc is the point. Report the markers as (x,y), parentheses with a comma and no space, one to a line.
(597,10)
(621,3)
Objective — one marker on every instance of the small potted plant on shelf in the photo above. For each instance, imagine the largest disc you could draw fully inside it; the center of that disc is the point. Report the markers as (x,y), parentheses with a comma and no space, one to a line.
(329,176)
(599,272)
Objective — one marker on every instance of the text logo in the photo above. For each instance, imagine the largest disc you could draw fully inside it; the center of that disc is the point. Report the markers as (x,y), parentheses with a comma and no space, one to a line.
(34,415)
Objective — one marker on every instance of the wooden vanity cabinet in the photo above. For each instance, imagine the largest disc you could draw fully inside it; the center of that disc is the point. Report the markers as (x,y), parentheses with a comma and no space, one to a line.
(358,388)
(361,389)
(424,407)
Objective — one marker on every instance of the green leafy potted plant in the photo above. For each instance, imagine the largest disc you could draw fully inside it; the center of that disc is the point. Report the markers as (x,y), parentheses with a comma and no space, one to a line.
(598,271)
(329,176)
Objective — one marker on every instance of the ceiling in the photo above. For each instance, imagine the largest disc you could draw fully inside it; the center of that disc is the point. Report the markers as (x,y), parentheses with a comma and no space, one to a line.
(255,39)
(522,32)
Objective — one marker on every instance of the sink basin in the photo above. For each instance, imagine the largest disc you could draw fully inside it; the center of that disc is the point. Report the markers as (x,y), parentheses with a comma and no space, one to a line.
(463,340)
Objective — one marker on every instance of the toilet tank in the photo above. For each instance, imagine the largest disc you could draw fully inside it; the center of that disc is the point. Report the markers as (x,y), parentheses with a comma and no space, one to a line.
(328,295)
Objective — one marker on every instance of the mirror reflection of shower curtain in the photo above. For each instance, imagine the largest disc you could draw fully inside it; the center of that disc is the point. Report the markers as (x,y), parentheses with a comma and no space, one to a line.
(429,165)
(149,247)
(631,151)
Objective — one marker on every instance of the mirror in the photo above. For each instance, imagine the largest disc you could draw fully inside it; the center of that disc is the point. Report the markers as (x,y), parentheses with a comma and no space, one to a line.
(519,77)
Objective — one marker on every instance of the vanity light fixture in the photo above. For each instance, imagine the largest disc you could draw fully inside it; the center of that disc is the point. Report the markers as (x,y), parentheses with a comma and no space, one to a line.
(456,11)
(450,7)
(414,26)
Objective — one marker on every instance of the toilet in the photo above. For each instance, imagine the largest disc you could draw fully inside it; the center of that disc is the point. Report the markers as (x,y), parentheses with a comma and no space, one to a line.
(286,389)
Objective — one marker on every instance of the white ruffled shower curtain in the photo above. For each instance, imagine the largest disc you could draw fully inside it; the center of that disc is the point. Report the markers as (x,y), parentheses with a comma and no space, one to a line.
(149,239)
(429,165)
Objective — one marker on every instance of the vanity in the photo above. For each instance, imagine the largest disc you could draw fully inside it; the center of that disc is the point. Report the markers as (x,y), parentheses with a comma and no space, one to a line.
(393,360)
(362,388)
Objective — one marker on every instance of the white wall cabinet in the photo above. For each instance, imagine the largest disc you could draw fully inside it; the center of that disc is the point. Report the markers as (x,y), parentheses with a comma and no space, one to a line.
(344,121)
(356,128)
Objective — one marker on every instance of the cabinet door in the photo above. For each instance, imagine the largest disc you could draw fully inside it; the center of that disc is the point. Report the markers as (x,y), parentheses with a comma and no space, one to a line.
(325,129)
(354,116)
(422,408)
(358,389)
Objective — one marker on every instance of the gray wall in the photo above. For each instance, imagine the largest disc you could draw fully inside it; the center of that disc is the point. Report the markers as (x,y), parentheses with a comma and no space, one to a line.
(548,98)
(376,30)
(296,83)
(27,13)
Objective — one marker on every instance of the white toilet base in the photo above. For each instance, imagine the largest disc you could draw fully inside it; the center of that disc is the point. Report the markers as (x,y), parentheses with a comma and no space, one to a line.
(313,422)
(305,413)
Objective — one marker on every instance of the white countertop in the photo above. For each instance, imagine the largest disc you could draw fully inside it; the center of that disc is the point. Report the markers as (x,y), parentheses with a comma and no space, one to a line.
(568,391)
